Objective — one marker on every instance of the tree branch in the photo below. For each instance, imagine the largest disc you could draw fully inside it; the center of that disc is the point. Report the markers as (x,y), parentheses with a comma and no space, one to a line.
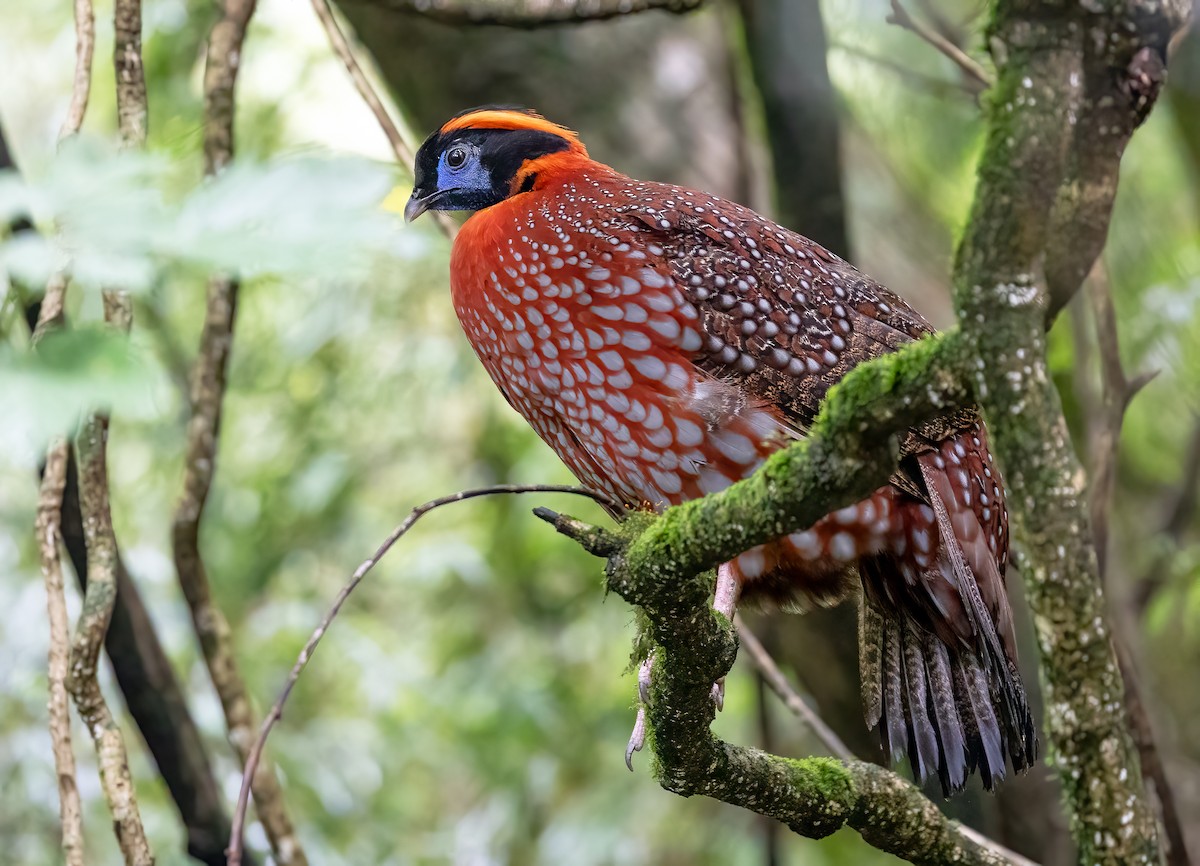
(1059,120)
(49,532)
(1106,418)
(310,646)
(98,605)
(208,383)
(131,77)
(531,13)
(653,563)
(48,528)
(85,43)
(92,447)
(143,672)
(154,698)
(1178,518)
(975,76)
(796,705)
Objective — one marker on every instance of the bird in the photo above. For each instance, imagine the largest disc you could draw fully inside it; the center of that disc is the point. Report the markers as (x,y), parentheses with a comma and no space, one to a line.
(664,342)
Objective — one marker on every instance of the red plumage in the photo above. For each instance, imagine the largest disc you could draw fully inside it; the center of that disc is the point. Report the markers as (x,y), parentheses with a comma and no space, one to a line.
(663,342)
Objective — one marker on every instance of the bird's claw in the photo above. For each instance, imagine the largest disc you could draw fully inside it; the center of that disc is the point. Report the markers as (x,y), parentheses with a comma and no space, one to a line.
(637,739)
(718,694)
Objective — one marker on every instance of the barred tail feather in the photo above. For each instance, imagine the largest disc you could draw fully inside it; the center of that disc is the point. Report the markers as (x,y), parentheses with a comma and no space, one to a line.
(940,679)
(936,705)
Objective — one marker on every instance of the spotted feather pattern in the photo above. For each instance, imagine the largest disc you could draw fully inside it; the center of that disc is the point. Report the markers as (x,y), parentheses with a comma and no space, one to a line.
(664,342)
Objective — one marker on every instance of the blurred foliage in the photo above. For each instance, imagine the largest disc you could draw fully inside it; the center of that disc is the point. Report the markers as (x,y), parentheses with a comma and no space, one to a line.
(469,705)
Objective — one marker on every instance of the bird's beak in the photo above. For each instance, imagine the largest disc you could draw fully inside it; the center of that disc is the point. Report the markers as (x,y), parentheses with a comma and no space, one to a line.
(416,206)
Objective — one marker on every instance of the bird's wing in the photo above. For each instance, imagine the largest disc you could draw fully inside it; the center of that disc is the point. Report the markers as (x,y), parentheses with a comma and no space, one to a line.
(783,318)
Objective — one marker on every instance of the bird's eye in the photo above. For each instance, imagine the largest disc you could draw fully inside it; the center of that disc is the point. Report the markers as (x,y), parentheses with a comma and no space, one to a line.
(456,157)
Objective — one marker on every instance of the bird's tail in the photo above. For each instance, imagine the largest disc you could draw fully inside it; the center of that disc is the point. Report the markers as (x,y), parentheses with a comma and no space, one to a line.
(944,709)
(937,652)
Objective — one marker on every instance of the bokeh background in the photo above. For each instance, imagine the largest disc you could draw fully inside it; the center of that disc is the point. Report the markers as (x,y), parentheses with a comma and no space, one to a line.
(472,702)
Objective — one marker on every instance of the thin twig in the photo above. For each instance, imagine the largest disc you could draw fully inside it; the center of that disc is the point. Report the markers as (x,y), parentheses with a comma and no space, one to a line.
(528,14)
(403,150)
(979,77)
(790,697)
(49,524)
(85,43)
(930,83)
(310,646)
(941,22)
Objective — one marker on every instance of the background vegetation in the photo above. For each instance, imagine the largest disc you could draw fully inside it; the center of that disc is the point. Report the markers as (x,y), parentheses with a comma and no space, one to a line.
(471,704)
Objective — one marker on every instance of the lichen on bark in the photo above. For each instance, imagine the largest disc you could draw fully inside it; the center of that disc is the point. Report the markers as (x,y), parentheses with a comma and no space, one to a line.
(1074,81)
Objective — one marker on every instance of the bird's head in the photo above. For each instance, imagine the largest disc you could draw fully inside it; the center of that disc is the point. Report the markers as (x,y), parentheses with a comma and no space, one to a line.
(485,155)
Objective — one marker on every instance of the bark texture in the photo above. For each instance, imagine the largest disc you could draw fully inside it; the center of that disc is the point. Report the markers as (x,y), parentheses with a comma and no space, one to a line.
(1074,82)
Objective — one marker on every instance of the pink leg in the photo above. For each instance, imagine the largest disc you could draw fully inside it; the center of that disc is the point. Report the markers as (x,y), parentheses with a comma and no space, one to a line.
(725,602)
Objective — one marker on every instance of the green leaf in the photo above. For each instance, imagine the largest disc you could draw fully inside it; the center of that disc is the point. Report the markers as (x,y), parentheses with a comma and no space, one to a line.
(118,222)
(72,373)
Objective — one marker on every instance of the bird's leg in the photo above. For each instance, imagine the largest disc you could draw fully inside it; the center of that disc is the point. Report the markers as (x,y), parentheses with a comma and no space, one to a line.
(725,602)
(729,588)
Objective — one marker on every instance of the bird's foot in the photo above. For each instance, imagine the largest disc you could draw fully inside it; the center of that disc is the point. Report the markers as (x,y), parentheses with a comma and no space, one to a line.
(725,602)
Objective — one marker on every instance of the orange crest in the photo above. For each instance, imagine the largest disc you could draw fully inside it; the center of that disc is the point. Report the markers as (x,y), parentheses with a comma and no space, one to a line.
(513,118)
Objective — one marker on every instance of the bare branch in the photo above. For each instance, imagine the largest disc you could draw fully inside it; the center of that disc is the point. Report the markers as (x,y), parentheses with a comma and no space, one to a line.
(208,381)
(49,525)
(92,446)
(978,78)
(85,43)
(942,23)
(131,78)
(791,698)
(404,151)
(48,529)
(532,13)
(929,83)
(1105,422)
(89,638)
(310,646)
(51,310)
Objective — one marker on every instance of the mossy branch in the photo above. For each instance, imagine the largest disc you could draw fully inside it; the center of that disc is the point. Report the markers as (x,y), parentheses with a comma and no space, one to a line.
(662,563)
(1074,82)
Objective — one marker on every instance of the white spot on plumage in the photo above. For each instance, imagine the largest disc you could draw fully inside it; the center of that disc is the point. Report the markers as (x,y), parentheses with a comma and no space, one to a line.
(842,547)
(806,543)
(650,366)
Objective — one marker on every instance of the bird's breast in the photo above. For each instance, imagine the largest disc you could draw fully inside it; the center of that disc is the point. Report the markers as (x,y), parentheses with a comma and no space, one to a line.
(592,342)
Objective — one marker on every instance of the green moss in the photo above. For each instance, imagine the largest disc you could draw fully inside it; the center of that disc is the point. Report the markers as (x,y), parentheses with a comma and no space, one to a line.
(822,780)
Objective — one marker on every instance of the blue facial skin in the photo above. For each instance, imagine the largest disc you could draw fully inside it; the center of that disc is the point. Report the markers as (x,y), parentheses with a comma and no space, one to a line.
(471,176)
(485,177)
(469,186)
